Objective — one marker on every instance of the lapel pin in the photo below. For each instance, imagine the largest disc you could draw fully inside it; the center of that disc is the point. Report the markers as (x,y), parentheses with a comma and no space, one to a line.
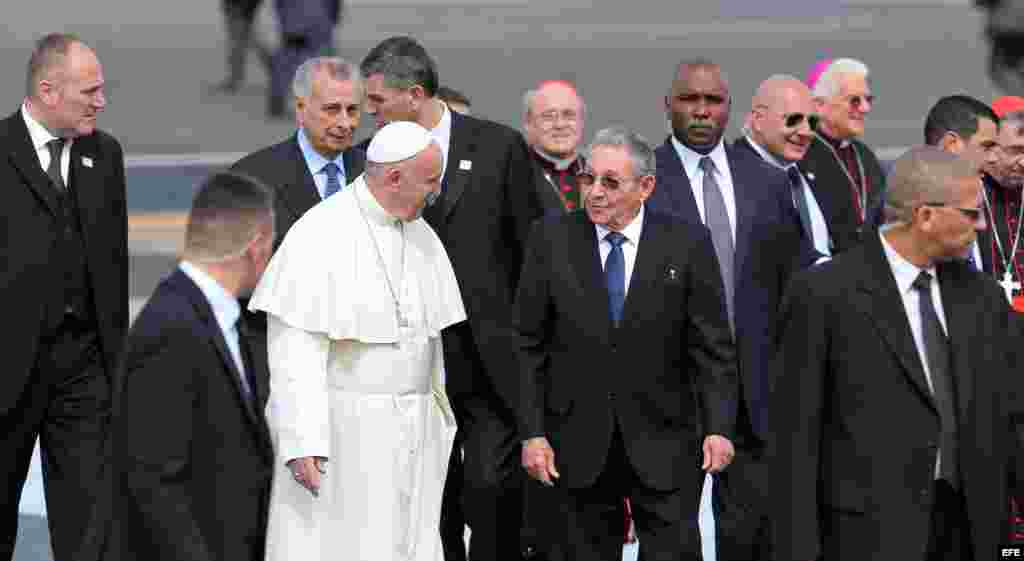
(810,176)
(87,162)
(465,165)
(671,273)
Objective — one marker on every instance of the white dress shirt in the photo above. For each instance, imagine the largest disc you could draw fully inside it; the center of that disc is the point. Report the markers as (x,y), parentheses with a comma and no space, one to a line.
(442,133)
(818,226)
(905,273)
(40,136)
(629,247)
(691,164)
(316,162)
(225,309)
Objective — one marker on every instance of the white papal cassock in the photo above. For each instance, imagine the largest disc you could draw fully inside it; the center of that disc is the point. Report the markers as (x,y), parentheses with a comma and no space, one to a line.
(351,383)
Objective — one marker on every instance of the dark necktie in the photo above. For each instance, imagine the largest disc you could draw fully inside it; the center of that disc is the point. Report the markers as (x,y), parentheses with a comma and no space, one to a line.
(796,184)
(248,377)
(717,220)
(938,354)
(971,263)
(615,276)
(56,148)
(333,184)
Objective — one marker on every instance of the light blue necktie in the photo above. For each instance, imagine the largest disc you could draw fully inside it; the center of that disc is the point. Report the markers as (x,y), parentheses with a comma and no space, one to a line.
(333,184)
(615,276)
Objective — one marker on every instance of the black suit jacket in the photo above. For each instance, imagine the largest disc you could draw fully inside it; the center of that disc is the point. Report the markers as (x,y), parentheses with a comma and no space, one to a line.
(32,285)
(769,247)
(855,426)
(283,168)
(834,194)
(483,217)
(667,374)
(192,456)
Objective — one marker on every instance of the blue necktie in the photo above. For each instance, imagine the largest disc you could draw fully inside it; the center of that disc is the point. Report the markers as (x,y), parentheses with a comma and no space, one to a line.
(333,185)
(971,263)
(615,276)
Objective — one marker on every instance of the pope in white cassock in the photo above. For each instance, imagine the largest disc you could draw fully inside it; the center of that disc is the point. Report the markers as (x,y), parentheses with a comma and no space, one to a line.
(356,297)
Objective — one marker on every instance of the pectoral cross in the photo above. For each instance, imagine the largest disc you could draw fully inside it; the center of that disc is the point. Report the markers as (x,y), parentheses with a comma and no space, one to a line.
(1009,285)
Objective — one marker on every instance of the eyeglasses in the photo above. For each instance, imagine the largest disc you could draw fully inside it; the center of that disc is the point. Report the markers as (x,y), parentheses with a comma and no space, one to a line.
(972,214)
(793,120)
(858,101)
(550,118)
(587,179)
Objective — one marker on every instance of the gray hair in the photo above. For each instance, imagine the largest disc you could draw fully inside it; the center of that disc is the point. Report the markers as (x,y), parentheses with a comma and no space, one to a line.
(48,55)
(336,67)
(530,95)
(828,84)
(640,151)
(228,211)
(920,176)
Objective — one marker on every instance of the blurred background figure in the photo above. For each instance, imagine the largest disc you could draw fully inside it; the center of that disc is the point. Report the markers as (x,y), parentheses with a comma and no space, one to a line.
(1005,31)
(456,100)
(239,18)
(307,30)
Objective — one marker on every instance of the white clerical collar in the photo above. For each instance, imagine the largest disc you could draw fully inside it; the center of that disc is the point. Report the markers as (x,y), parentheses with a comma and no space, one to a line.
(39,134)
(225,306)
(903,271)
(560,164)
(374,210)
(768,156)
(691,159)
(631,231)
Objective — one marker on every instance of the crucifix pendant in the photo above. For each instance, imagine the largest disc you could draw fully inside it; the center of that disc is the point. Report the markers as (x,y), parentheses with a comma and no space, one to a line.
(1009,285)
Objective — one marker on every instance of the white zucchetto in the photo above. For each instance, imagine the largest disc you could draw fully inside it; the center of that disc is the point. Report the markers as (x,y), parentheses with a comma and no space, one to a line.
(397,142)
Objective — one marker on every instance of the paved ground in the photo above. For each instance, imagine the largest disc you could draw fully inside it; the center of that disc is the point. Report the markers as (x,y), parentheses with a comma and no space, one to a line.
(161,57)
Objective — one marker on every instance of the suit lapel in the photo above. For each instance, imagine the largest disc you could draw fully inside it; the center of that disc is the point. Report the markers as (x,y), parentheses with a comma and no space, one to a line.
(961,315)
(881,301)
(645,269)
(586,264)
(678,189)
(211,330)
(355,162)
(87,192)
(302,194)
(461,147)
(746,208)
(23,157)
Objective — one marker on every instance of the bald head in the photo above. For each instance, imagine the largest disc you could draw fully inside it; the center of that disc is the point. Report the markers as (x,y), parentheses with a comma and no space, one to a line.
(782,119)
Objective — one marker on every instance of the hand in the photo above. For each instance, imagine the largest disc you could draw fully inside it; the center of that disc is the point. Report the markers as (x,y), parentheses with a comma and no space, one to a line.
(718,453)
(306,472)
(539,460)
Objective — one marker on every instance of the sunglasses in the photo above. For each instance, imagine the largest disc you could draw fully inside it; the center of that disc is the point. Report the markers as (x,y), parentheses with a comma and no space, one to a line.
(587,179)
(793,120)
(972,214)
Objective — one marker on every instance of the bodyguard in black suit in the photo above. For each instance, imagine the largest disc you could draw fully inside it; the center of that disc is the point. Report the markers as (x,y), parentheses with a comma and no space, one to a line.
(890,412)
(759,246)
(65,292)
(192,453)
(328,111)
(627,364)
(483,217)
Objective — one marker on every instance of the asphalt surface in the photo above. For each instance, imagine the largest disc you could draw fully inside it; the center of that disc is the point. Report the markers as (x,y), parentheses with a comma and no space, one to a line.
(161,59)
